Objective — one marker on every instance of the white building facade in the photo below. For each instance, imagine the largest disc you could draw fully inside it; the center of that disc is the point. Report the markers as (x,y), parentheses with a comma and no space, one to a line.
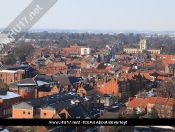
(85,51)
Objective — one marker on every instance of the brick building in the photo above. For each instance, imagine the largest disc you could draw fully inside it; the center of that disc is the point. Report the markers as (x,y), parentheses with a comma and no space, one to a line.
(75,49)
(7,99)
(119,87)
(62,103)
(164,106)
(10,76)
(26,88)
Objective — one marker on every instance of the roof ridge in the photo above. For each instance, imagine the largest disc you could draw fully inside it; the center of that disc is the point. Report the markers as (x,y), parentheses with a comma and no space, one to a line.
(156,99)
(35,76)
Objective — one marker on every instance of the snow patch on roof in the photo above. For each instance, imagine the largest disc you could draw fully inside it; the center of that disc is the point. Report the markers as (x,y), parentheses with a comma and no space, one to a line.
(71,93)
(5,130)
(165,127)
(8,71)
(9,95)
(86,98)
(72,102)
(41,83)
(27,84)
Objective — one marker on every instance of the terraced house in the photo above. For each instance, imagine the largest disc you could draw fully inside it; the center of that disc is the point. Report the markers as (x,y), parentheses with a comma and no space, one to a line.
(66,105)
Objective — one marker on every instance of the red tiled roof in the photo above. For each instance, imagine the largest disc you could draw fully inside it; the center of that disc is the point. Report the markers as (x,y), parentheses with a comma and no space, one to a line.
(125,68)
(108,68)
(170,102)
(132,61)
(161,100)
(160,78)
(147,76)
(138,102)
(151,100)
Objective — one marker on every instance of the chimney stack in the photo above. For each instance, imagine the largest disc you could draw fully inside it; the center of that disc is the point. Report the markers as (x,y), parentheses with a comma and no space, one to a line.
(77,102)
(104,80)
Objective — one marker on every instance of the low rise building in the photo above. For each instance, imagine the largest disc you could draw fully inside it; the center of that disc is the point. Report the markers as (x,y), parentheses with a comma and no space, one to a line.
(7,99)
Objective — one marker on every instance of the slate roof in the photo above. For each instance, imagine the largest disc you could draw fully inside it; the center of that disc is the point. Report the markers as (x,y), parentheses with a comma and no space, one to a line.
(171,65)
(10,67)
(141,55)
(61,105)
(52,128)
(27,81)
(23,105)
(66,80)
(71,71)
(63,115)
(101,66)
(44,78)
(115,68)
(109,115)
(48,100)
(76,111)
(93,96)
(65,104)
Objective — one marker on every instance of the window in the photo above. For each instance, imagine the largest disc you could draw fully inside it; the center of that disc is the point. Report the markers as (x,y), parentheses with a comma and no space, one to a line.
(24,112)
(3,112)
(158,111)
(168,112)
(28,113)
(1,75)
(44,114)
(16,78)
(22,76)
(85,51)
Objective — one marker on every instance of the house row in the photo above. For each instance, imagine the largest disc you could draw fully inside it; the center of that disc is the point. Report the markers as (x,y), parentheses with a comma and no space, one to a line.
(164,106)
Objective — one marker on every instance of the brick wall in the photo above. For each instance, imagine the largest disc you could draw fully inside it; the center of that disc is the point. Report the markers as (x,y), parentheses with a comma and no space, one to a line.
(110,88)
(6,106)
(22,113)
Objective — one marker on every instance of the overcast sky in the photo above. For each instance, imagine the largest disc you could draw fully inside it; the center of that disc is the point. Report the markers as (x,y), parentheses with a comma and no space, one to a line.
(98,14)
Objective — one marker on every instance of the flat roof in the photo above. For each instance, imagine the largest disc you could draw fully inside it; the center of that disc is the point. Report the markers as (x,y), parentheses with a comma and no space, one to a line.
(8,71)
(9,95)
(26,84)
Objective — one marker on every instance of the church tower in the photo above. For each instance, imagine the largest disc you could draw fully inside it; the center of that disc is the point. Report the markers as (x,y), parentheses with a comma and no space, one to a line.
(143,44)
